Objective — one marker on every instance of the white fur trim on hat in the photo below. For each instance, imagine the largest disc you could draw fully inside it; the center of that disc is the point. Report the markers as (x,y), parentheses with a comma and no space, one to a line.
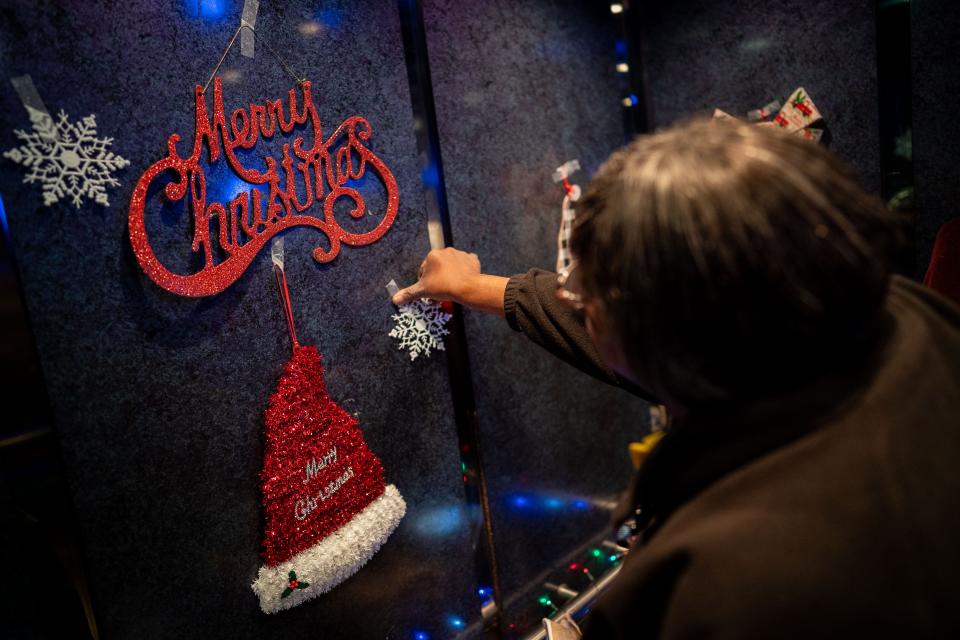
(333,559)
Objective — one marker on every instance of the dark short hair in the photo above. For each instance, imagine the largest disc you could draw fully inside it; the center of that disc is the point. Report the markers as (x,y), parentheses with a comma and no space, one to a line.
(731,260)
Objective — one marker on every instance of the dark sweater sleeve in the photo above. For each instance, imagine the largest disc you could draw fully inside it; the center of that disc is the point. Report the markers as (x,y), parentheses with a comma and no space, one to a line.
(532,308)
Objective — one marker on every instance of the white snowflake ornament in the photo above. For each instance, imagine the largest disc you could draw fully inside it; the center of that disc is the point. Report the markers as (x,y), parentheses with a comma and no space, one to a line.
(67,158)
(420,327)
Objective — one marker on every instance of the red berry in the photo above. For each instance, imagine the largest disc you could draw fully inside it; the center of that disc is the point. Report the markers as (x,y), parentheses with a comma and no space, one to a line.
(293,584)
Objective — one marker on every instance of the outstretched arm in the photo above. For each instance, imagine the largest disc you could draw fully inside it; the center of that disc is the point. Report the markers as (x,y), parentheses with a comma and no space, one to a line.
(450,274)
(528,302)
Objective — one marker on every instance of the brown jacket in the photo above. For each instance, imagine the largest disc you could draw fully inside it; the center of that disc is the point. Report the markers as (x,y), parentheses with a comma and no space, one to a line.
(833,511)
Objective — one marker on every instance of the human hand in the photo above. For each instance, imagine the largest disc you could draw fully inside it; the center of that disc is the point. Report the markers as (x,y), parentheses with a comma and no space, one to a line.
(445,274)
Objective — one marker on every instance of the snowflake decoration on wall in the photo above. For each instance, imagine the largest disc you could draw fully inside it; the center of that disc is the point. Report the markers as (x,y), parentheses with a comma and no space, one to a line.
(67,158)
(420,327)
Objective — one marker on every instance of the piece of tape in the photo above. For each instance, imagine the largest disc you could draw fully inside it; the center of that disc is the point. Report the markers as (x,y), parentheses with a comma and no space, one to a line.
(764,112)
(565,170)
(392,288)
(249,18)
(33,103)
(276,251)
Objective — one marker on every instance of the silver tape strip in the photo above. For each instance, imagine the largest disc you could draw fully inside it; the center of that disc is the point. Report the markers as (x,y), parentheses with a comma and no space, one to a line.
(565,170)
(276,251)
(392,288)
(764,112)
(249,17)
(32,102)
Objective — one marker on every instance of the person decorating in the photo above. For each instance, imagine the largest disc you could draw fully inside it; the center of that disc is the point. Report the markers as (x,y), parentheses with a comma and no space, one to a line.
(808,484)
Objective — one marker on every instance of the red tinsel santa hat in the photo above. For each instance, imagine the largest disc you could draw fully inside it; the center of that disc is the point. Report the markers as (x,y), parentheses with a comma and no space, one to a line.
(326,506)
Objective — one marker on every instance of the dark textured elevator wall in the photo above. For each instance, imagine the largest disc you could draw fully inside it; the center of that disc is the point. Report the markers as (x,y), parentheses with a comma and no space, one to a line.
(520,88)
(936,132)
(159,399)
(740,54)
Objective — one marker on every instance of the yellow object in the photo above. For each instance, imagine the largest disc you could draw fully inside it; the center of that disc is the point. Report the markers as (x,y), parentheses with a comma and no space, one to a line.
(640,450)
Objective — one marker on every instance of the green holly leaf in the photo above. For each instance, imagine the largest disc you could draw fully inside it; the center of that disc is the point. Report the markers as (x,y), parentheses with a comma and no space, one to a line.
(293,575)
(286,592)
(303,585)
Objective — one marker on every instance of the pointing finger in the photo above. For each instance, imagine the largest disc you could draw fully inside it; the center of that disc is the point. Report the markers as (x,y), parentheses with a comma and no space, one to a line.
(410,293)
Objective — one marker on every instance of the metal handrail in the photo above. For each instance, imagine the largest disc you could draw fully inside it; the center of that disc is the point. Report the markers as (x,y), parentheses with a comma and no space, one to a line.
(580,603)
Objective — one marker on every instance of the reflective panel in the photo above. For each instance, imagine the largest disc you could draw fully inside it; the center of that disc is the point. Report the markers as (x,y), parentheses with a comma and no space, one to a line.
(521,88)
(159,399)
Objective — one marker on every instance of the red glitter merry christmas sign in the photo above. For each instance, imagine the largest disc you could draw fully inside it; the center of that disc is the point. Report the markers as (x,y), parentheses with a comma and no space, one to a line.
(318,175)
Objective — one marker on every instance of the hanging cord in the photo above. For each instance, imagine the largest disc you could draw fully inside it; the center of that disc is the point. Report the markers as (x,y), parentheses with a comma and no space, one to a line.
(244,25)
(285,302)
(278,272)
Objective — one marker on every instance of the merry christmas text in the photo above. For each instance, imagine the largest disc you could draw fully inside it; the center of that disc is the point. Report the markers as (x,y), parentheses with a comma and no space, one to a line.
(313,467)
(302,177)
(305,506)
